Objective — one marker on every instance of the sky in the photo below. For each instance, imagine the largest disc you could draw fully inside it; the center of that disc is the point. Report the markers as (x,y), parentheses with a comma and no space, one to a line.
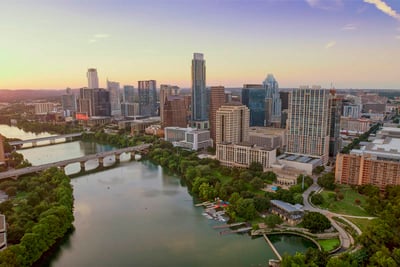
(50,44)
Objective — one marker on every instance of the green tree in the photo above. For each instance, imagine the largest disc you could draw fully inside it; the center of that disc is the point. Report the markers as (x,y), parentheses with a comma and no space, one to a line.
(245,209)
(316,222)
(272,220)
(327,181)
(257,183)
(317,199)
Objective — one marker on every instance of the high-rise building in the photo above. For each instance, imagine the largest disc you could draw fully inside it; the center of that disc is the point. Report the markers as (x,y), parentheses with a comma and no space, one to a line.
(93,79)
(165,91)
(335,105)
(308,123)
(174,112)
(94,102)
(113,88)
(147,98)
(199,94)
(273,98)
(128,95)
(68,102)
(232,124)
(217,99)
(253,96)
(284,100)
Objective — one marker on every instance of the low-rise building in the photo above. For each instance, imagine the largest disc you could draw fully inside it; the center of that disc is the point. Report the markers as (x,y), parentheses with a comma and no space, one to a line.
(267,137)
(190,138)
(360,126)
(293,214)
(306,164)
(243,154)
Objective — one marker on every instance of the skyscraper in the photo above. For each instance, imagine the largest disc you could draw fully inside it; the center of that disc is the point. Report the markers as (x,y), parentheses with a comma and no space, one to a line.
(253,96)
(113,88)
(232,124)
(335,105)
(272,95)
(128,95)
(94,102)
(93,79)
(217,99)
(165,91)
(147,98)
(199,95)
(68,102)
(308,122)
(174,112)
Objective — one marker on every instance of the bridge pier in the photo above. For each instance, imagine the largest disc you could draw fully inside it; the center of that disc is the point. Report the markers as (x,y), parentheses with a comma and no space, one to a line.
(101,162)
(132,155)
(52,141)
(117,158)
(34,144)
(82,163)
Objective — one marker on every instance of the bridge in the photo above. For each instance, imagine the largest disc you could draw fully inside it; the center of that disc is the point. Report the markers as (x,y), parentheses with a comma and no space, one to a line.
(52,139)
(82,160)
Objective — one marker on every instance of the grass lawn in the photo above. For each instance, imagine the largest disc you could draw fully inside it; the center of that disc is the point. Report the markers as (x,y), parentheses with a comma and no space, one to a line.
(347,205)
(361,223)
(329,244)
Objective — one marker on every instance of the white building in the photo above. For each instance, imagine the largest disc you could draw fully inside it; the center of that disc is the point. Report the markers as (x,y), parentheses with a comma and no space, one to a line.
(189,138)
(93,79)
(44,108)
(115,101)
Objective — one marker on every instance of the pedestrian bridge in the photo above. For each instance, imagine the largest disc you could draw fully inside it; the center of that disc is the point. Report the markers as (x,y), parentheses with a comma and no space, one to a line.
(82,160)
(52,139)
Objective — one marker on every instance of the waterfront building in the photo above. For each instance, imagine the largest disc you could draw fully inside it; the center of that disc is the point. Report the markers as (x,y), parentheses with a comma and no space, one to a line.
(273,101)
(232,124)
(147,98)
(308,123)
(189,138)
(138,126)
(94,102)
(165,91)
(115,100)
(293,214)
(128,94)
(253,96)
(243,154)
(217,99)
(68,103)
(93,79)
(199,93)
(335,106)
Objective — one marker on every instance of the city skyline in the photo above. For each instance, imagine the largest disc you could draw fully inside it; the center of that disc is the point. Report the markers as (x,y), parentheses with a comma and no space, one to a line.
(351,44)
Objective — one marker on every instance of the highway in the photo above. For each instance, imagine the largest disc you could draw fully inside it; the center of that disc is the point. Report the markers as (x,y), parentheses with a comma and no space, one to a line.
(18,172)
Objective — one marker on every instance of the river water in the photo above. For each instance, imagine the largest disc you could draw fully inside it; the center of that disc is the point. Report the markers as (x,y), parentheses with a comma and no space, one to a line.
(137,214)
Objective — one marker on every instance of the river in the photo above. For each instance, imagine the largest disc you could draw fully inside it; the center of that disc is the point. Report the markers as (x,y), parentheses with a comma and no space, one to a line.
(137,214)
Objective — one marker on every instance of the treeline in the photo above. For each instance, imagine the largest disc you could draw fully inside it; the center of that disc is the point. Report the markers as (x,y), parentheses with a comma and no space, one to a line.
(118,140)
(361,138)
(39,127)
(38,213)
(206,179)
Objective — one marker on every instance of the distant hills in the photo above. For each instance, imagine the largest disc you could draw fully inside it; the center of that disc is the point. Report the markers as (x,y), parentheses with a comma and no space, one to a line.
(27,94)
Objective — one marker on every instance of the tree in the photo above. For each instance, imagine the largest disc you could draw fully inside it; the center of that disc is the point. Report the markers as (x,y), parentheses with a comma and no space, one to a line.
(245,209)
(308,181)
(261,203)
(257,183)
(272,220)
(317,199)
(256,167)
(327,181)
(316,222)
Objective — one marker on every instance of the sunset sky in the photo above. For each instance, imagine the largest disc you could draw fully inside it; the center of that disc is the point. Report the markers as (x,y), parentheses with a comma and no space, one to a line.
(49,44)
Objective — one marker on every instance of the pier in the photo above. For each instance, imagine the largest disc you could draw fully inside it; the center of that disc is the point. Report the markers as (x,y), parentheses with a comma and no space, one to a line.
(272,247)
(228,225)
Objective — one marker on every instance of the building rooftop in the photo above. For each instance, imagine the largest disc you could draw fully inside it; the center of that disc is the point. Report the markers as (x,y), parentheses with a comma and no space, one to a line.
(383,148)
(287,206)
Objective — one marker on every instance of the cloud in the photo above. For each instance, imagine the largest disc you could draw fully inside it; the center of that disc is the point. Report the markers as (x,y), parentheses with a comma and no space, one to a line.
(101,36)
(349,27)
(330,44)
(385,8)
(325,4)
(91,41)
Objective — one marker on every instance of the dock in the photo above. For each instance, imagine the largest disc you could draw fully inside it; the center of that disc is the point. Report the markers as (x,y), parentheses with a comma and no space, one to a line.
(240,230)
(222,226)
(273,247)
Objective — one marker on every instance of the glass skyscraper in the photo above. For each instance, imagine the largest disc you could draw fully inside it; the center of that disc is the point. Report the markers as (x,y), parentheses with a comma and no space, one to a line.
(272,96)
(199,94)
(253,96)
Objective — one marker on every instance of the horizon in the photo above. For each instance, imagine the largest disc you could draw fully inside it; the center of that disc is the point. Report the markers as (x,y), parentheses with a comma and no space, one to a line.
(350,44)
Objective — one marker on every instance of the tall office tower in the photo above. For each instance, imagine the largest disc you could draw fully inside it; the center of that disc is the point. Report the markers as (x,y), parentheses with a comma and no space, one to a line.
(165,91)
(335,105)
(174,112)
(93,79)
(308,123)
(2,156)
(147,98)
(232,124)
(284,100)
(94,102)
(113,88)
(272,95)
(68,102)
(199,94)
(217,99)
(253,96)
(128,95)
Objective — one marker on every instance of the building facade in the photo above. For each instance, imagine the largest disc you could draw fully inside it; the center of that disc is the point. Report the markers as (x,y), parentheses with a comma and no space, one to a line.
(115,97)
(188,138)
(44,108)
(335,106)
(308,123)
(272,96)
(199,95)
(94,102)
(128,94)
(253,96)
(217,99)
(174,112)
(232,124)
(93,79)
(165,91)
(147,98)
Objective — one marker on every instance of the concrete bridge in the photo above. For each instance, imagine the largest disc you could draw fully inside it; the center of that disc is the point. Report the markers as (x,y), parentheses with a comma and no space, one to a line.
(52,139)
(82,160)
